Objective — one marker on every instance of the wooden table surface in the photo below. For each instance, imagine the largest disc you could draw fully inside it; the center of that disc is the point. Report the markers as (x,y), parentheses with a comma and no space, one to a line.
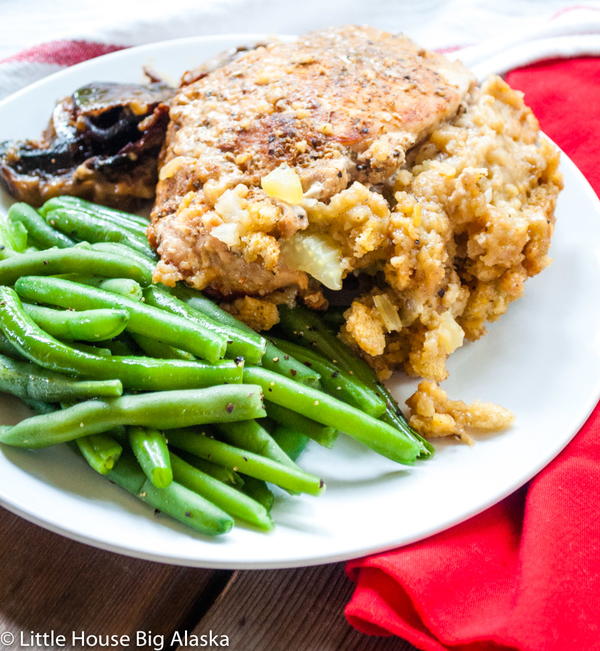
(51,584)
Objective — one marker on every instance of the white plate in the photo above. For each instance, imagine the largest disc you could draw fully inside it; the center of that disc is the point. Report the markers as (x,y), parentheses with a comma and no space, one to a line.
(540,360)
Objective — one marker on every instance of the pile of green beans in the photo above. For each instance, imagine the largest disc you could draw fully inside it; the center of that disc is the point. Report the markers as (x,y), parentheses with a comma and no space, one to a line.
(159,389)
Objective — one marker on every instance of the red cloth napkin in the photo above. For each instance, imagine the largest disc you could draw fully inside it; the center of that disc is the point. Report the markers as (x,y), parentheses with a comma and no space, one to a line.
(525,574)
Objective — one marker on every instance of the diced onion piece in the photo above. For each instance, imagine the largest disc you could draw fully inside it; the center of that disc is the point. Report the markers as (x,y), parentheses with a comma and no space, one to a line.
(227,233)
(231,205)
(451,335)
(387,312)
(317,255)
(283,183)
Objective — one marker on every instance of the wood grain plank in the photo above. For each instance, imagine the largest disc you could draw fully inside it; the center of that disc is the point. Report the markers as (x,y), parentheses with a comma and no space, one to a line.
(48,582)
(289,610)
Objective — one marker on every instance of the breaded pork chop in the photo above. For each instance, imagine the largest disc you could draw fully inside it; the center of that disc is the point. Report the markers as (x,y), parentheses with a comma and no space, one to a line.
(335,106)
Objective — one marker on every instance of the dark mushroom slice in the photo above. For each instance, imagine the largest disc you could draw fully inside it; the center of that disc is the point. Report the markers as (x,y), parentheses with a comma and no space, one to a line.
(102,143)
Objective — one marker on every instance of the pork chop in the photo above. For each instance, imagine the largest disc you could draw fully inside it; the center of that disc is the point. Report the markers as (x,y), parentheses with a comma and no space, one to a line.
(333,107)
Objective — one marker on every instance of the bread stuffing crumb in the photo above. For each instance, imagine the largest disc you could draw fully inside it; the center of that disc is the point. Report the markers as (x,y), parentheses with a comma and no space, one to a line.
(434,415)
(259,314)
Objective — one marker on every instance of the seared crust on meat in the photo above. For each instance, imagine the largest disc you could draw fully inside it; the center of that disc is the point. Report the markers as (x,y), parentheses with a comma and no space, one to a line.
(338,105)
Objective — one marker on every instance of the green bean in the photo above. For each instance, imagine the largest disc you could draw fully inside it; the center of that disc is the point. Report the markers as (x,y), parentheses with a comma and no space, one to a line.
(337,382)
(175,500)
(334,317)
(124,251)
(303,325)
(99,351)
(225,475)
(13,237)
(273,359)
(141,373)
(160,350)
(204,305)
(87,219)
(38,230)
(100,451)
(250,346)
(6,348)
(39,407)
(143,319)
(123,286)
(321,434)
(278,361)
(83,226)
(27,381)
(84,279)
(354,365)
(120,433)
(89,325)
(258,490)
(290,441)
(75,259)
(250,435)
(325,409)
(232,501)
(246,462)
(123,346)
(118,216)
(396,419)
(6,250)
(162,409)
(150,449)
(306,326)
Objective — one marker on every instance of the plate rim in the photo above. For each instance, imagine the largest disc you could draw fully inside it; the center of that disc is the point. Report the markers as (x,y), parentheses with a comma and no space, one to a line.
(30,515)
